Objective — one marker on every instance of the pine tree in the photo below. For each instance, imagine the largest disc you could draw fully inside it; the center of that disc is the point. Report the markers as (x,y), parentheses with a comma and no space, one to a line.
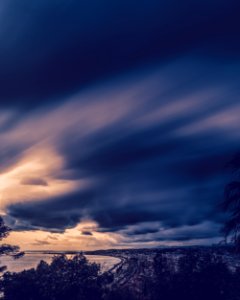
(6,249)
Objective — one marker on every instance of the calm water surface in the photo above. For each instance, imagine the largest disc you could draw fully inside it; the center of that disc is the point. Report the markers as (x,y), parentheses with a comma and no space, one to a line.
(29,261)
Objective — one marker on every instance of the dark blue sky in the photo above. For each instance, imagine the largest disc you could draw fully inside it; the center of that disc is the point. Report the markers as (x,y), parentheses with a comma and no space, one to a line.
(126,111)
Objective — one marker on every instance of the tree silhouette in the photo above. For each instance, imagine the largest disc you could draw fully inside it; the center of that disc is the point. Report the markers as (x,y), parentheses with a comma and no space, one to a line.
(5,249)
(231,204)
(64,278)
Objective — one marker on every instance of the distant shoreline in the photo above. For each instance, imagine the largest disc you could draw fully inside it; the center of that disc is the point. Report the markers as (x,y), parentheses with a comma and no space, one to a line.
(136,250)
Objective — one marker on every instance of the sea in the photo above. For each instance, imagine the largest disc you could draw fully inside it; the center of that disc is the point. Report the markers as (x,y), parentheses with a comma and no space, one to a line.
(31,260)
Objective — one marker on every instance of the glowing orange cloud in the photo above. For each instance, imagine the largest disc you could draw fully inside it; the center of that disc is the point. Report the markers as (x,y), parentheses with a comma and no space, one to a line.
(34,178)
(71,239)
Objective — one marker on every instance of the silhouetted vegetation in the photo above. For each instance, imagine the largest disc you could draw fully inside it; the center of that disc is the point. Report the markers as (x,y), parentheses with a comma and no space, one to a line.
(193,276)
(5,249)
(231,204)
(202,277)
(64,278)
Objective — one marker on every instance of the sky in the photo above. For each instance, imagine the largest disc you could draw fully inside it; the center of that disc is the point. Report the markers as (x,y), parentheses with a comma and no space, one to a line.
(117,121)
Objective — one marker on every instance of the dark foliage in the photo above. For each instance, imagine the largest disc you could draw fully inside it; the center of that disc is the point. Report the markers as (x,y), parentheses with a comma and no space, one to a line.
(195,277)
(231,204)
(202,277)
(192,276)
(5,249)
(64,278)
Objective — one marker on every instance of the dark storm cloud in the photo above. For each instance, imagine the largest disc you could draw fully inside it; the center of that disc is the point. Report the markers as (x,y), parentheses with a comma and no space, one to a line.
(86,233)
(202,231)
(50,49)
(152,143)
(162,159)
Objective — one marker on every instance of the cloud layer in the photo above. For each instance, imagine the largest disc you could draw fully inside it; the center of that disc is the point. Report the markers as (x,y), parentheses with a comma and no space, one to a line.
(129,152)
(50,49)
(117,113)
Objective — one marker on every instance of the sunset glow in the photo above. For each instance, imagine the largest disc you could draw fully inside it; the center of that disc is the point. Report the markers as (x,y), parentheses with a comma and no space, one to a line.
(32,178)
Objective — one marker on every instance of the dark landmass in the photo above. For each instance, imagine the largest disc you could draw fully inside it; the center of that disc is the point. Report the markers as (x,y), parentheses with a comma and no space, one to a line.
(187,273)
(138,264)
